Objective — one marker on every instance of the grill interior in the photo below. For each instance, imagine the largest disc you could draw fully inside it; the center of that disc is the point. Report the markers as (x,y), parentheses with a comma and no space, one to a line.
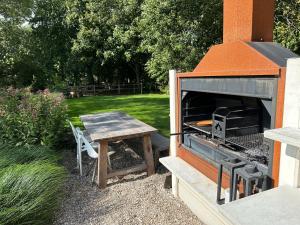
(233,123)
(255,146)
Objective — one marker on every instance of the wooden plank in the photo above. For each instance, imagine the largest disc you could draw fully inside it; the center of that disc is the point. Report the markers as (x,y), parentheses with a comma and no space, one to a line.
(113,126)
(133,169)
(148,154)
(102,164)
(119,138)
(159,142)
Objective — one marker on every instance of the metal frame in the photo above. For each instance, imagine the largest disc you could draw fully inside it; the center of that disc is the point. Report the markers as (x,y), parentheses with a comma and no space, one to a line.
(267,92)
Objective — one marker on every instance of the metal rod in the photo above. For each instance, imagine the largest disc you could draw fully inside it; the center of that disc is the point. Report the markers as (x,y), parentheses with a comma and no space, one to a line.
(181,133)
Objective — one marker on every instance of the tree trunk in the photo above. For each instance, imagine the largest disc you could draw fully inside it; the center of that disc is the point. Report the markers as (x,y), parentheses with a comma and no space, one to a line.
(137,73)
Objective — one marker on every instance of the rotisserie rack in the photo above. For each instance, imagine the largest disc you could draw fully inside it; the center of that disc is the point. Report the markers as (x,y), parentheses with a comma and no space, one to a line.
(237,128)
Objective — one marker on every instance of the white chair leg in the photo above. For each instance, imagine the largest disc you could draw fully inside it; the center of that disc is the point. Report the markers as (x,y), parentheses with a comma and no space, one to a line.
(94,171)
(79,157)
(77,160)
(109,154)
(109,162)
(80,164)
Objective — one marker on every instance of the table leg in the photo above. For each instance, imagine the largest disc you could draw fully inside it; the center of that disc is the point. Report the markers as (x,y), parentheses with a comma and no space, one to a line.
(102,164)
(148,154)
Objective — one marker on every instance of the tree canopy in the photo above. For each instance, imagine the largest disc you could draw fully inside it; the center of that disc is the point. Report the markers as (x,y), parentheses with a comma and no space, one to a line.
(287,24)
(178,33)
(53,43)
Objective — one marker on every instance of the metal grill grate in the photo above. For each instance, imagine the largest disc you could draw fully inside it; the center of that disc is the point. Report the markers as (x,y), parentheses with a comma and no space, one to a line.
(255,146)
(248,141)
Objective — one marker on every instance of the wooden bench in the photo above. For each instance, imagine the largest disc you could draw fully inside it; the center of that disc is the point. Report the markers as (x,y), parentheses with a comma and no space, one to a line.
(159,142)
(160,147)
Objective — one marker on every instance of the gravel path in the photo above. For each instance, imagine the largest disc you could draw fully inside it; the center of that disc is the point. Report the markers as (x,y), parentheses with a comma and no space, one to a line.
(133,199)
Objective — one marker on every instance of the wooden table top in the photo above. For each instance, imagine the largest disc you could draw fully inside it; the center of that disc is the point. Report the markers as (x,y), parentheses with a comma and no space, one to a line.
(114,126)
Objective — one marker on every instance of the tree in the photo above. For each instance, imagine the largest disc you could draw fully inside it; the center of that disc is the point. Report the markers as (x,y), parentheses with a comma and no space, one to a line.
(93,32)
(287,24)
(52,42)
(126,38)
(178,33)
(108,40)
(16,10)
(46,43)
(16,67)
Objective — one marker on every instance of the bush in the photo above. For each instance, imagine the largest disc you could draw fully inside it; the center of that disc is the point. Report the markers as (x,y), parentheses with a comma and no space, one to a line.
(29,193)
(29,119)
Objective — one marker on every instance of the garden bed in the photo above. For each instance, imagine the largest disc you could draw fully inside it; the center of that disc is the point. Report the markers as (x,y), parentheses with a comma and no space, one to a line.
(32,125)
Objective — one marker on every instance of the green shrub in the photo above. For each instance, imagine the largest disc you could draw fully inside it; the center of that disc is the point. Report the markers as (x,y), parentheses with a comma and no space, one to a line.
(22,154)
(29,193)
(30,119)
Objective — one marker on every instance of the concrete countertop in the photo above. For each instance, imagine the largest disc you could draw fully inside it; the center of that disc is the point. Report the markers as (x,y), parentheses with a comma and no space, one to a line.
(278,206)
(287,135)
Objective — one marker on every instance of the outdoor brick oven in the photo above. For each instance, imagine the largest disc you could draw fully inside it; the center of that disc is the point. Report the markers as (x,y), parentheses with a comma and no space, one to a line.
(234,94)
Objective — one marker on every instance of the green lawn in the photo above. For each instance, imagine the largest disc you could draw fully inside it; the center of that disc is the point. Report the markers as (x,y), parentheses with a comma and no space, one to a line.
(152,109)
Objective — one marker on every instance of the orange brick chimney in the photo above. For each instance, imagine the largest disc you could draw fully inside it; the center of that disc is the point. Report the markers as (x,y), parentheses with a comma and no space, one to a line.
(248,20)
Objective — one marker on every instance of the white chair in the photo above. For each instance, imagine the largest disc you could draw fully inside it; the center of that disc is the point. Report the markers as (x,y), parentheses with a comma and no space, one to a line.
(79,146)
(74,131)
(82,146)
(89,149)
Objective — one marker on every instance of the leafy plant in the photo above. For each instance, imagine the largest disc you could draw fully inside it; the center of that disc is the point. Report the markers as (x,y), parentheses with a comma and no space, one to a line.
(11,155)
(29,119)
(287,24)
(29,193)
(178,33)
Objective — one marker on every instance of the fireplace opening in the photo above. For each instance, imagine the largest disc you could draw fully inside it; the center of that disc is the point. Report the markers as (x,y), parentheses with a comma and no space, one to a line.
(220,126)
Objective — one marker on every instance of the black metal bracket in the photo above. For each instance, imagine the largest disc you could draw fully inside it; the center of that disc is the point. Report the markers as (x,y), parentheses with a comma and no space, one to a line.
(231,164)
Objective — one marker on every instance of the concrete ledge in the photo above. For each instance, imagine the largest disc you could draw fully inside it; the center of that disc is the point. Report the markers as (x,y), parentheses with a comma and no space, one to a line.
(287,135)
(279,206)
(197,191)
(289,173)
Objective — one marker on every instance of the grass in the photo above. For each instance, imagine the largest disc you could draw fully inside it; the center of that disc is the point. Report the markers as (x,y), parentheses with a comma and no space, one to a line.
(152,109)
(11,155)
(30,184)
(29,193)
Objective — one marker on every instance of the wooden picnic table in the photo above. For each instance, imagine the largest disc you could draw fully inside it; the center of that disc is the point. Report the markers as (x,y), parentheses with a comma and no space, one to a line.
(114,126)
